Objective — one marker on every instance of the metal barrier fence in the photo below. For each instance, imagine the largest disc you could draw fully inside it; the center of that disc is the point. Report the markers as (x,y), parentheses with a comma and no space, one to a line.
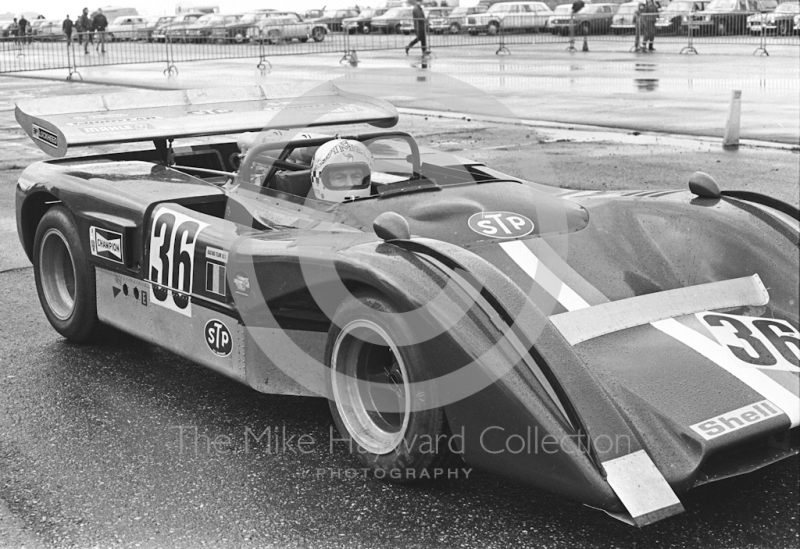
(684,31)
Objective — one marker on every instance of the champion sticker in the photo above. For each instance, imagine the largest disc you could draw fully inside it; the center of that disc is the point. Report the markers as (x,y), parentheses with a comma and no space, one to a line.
(106,244)
(500,224)
(45,136)
(218,338)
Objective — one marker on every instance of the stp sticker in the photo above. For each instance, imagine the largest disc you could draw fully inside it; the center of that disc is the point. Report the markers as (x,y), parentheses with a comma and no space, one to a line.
(764,343)
(218,338)
(45,136)
(500,224)
(106,244)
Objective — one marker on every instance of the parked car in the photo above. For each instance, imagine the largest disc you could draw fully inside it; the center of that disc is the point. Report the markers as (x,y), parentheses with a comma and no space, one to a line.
(128,27)
(432,15)
(509,17)
(236,31)
(392,20)
(5,28)
(333,18)
(625,18)
(46,29)
(723,17)
(454,22)
(176,29)
(673,18)
(592,19)
(274,27)
(155,23)
(779,21)
(796,24)
(363,21)
(211,27)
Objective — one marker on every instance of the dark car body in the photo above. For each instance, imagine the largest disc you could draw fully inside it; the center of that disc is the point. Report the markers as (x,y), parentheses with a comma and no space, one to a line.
(333,18)
(778,21)
(237,31)
(455,20)
(618,348)
(362,23)
(723,17)
(175,30)
(592,19)
(673,19)
(211,27)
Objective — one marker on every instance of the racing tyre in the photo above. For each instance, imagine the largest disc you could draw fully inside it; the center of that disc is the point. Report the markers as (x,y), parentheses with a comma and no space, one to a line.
(318,35)
(380,395)
(64,279)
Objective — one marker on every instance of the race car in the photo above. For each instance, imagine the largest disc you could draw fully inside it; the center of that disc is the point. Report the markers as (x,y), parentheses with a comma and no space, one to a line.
(617,348)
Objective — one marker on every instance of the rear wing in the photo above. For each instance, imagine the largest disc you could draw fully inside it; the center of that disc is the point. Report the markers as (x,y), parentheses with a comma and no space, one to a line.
(59,123)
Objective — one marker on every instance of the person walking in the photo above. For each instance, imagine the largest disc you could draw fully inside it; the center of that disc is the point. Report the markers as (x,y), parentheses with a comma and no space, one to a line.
(648,16)
(99,25)
(23,28)
(66,28)
(84,25)
(420,27)
(14,30)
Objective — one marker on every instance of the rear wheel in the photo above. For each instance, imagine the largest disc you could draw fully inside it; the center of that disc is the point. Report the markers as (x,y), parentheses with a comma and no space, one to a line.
(380,395)
(455,28)
(493,28)
(64,278)
(366,29)
(318,34)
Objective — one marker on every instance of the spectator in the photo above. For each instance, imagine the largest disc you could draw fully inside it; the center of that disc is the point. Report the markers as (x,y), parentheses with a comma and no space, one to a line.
(23,28)
(99,25)
(648,16)
(14,30)
(66,28)
(420,25)
(84,25)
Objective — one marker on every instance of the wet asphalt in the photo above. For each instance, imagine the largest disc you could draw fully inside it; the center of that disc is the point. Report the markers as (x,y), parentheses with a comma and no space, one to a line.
(122,444)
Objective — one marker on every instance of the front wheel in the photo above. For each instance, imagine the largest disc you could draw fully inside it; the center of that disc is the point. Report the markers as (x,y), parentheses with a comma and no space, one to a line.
(318,34)
(493,28)
(381,395)
(64,278)
(455,28)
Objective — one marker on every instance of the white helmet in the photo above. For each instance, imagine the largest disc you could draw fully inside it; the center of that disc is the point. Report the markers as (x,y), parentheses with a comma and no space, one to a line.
(350,162)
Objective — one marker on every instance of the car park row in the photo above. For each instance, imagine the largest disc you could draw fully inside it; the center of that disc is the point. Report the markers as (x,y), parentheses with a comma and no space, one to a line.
(698,17)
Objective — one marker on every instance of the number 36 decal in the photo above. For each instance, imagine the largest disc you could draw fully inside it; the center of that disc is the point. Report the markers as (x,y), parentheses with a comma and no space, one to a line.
(764,343)
(173,236)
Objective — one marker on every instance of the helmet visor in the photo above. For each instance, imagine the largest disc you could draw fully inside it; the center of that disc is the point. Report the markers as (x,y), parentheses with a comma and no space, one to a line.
(347,176)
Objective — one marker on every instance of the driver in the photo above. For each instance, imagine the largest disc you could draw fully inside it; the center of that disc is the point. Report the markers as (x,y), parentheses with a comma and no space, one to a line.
(341,170)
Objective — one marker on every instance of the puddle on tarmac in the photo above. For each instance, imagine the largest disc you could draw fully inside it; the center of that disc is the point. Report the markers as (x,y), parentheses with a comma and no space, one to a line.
(646,84)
